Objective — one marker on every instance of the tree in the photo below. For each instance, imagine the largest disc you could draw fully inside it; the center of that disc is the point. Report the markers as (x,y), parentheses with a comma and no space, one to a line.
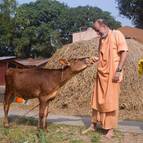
(133,9)
(37,32)
(37,29)
(7,26)
(73,19)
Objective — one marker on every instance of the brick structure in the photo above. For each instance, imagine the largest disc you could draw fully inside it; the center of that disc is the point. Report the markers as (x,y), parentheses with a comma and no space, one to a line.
(4,61)
(85,35)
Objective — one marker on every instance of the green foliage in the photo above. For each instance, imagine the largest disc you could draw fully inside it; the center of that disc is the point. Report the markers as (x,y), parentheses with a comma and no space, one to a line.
(36,33)
(7,22)
(42,137)
(37,29)
(95,138)
(133,9)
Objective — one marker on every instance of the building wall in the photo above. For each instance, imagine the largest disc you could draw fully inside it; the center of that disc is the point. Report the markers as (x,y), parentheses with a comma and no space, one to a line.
(3,68)
(86,35)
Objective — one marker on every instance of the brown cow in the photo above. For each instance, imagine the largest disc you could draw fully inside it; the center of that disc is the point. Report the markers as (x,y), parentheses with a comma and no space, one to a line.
(40,83)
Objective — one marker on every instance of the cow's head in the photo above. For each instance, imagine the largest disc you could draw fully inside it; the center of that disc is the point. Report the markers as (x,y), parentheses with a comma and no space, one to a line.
(77,65)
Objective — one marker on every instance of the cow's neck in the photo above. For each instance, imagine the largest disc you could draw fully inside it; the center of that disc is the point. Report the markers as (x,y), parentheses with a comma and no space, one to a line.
(66,74)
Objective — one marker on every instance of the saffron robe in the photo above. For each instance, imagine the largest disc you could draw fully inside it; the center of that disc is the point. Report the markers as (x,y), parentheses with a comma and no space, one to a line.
(106,92)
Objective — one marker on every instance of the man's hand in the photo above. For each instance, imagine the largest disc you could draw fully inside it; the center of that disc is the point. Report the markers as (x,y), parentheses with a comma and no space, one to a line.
(116,77)
(94,59)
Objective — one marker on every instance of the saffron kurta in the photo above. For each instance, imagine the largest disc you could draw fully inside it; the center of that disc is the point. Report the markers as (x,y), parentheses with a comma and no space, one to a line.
(106,92)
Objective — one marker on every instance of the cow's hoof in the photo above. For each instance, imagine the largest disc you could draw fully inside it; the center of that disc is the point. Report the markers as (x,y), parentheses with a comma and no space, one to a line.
(46,130)
(6,125)
(42,129)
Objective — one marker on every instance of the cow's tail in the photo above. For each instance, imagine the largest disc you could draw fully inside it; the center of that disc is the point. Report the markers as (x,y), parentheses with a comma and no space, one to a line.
(8,84)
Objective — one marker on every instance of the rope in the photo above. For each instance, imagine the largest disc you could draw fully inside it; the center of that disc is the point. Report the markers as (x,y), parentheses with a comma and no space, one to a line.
(31,110)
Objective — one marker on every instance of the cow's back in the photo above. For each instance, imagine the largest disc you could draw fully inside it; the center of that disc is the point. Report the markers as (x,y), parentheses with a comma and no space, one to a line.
(31,83)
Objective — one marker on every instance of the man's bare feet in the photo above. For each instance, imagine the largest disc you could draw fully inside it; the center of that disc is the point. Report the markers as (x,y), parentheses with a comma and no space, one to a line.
(109,134)
(92,128)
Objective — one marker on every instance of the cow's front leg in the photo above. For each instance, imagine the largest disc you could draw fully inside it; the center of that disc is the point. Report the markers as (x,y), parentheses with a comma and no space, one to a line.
(43,111)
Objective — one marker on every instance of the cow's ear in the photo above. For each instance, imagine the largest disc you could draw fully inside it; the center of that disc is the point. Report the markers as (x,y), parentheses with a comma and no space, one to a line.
(64,62)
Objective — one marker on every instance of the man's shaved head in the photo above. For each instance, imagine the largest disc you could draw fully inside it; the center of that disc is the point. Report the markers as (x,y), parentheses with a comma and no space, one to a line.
(101,22)
(101,27)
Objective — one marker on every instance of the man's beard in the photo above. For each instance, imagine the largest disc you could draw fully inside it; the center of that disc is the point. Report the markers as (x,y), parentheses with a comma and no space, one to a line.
(103,35)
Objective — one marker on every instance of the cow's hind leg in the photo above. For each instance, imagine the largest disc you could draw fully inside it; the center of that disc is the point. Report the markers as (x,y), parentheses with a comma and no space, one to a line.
(45,116)
(8,99)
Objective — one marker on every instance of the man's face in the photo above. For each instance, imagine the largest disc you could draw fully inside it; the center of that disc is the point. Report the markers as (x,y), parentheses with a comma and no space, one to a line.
(101,29)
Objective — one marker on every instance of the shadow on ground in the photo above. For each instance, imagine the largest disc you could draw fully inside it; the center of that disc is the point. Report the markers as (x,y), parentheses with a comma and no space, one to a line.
(20,120)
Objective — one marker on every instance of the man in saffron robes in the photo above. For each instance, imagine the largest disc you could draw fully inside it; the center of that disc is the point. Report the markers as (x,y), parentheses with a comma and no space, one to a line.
(112,55)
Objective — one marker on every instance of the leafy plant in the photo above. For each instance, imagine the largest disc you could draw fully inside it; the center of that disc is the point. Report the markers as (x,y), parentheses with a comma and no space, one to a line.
(132,9)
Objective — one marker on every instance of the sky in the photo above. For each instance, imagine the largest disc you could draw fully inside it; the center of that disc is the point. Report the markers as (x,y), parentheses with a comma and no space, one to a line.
(106,5)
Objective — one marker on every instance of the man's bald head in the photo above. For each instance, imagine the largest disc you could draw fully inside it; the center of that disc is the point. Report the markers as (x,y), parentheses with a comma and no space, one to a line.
(101,27)
(101,22)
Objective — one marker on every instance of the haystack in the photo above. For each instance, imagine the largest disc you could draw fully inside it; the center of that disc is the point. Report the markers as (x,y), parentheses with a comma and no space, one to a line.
(74,97)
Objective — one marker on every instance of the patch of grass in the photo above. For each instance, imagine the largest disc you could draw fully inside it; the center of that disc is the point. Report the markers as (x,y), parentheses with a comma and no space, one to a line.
(26,132)
(76,141)
(17,135)
(42,137)
(95,138)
